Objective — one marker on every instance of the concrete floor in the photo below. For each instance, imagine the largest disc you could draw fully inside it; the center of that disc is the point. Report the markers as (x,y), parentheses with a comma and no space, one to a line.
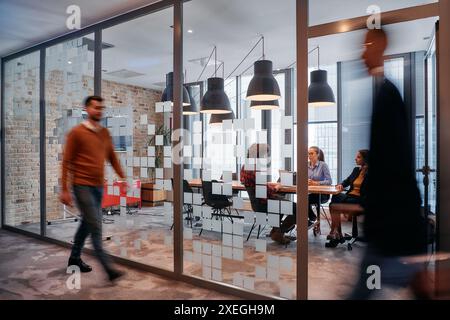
(33,269)
(331,272)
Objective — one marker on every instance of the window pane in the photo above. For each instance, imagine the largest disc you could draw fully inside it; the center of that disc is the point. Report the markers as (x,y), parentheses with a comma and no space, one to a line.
(22,131)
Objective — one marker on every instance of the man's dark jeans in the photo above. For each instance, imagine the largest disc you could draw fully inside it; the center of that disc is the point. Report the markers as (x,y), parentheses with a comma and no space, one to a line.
(89,200)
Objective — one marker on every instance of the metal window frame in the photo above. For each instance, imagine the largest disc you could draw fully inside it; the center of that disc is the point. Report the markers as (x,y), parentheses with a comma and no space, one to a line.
(303,33)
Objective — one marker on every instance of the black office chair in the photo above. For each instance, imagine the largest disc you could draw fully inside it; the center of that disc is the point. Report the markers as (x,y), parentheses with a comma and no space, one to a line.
(257,206)
(187,208)
(219,203)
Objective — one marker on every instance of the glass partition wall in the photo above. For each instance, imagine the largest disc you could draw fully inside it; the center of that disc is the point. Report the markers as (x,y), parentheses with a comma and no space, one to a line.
(239,145)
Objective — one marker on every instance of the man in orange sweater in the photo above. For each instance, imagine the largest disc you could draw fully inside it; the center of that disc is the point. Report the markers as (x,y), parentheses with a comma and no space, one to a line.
(88,145)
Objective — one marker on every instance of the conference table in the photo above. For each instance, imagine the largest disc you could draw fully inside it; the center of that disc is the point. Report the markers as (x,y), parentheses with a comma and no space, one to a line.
(320,190)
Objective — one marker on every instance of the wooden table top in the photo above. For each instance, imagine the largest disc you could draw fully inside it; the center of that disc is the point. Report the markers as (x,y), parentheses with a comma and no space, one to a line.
(237,185)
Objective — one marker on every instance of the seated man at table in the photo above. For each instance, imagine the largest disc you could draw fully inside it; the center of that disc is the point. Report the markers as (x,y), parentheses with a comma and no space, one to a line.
(356,183)
(248,179)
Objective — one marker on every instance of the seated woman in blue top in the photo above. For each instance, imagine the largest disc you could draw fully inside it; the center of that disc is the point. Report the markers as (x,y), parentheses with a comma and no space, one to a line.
(318,174)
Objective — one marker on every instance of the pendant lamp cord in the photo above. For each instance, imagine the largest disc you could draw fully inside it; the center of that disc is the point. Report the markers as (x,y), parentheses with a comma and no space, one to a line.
(246,56)
(204,67)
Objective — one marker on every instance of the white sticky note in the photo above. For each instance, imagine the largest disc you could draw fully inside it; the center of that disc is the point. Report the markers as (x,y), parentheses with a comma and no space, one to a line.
(216,250)
(262,164)
(261,192)
(144,162)
(197,258)
(206,175)
(238,254)
(167,151)
(238,203)
(197,211)
(143,119)
(238,124)
(249,124)
(110,190)
(286,122)
(227,124)
(197,246)
(287,207)
(123,211)
(228,227)
(217,275)
(167,106)
(187,151)
(238,228)
(187,255)
(216,188)
(151,162)
(206,272)
(286,263)
(197,199)
(261,218)
(207,225)
(123,252)
(151,129)
(116,191)
(227,239)
(206,260)
(261,137)
(273,261)
(238,280)
(167,162)
(159,107)
(273,275)
(116,240)
(187,233)
(159,173)
(123,201)
(151,151)
(217,262)
(206,248)
(197,126)
(197,139)
(249,217)
(261,245)
(249,283)
(227,176)
(206,212)
(261,177)
(168,185)
(227,252)
(129,171)
(287,178)
(144,173)
(168,240)
(216,225)
(273,206)
(238,242)
(137,161)
(274,220)
(159,140)
(188,174)
(137,244)
(260,272)
(227,189)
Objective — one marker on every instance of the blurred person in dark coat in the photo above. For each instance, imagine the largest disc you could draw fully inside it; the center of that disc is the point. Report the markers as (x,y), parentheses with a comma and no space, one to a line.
(393,225)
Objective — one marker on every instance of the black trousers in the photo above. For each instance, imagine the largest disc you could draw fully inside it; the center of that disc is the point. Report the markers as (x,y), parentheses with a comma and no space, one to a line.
(345,198)
(313,200)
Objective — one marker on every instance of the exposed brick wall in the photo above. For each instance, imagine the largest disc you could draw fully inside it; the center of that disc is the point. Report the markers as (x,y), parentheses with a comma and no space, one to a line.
(22,140)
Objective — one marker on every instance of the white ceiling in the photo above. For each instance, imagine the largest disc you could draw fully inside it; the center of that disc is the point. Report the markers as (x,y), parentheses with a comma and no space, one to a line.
(144,45)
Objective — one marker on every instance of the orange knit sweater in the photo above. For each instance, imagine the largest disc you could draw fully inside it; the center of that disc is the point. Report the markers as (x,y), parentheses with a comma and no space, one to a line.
(84,157)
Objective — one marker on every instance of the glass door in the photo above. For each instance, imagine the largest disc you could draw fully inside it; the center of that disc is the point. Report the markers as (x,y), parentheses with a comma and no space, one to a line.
(427,132)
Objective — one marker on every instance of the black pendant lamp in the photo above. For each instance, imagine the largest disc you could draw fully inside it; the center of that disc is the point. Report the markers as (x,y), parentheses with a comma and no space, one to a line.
(216,119)
(265,105)
(319,91)
(263,86)
(190,109)
(168,91)
(215,100)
